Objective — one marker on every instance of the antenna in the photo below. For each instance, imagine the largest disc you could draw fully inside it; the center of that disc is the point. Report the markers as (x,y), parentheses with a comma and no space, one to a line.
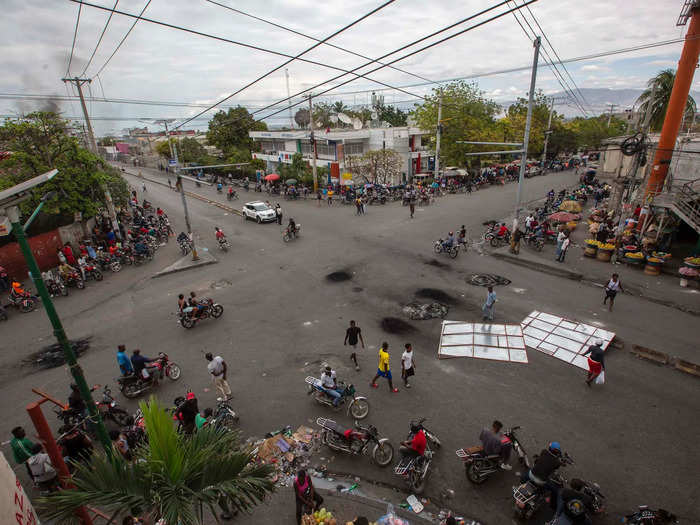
(356,123)
(344,118)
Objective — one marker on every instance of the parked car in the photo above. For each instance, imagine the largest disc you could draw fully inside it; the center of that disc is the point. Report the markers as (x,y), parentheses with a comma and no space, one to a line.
(259,211)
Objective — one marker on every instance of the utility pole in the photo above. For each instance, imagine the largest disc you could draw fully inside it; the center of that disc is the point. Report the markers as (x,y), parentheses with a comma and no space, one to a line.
(314,154)
(289,99)
(181,187)
(93,146)
(547,133)
(528,121)
(437,140)
(612,106)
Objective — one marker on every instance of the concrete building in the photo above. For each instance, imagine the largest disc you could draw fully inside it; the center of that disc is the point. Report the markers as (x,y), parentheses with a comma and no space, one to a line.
(335,145)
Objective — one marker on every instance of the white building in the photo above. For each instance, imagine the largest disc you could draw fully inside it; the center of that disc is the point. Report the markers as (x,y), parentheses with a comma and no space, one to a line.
(335,145)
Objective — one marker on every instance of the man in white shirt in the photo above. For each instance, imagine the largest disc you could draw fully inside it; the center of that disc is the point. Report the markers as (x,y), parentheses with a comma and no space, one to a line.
(408,364)
(330,385)
(528,223)
(217,368)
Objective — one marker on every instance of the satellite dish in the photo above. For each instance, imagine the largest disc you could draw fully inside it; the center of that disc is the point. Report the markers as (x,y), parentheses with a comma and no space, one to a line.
(375,115)
(356,123)
(344,118)
(334,118)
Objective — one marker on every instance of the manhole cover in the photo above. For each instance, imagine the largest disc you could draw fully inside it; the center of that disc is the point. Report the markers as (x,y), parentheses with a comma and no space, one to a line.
(422,312)
(435,295)
(339,276)
(486,279)
(393,325)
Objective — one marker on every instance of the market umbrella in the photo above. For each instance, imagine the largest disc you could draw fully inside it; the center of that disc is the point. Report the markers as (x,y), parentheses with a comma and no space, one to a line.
(562,216)
(570,206)
(272,176)
(290,182)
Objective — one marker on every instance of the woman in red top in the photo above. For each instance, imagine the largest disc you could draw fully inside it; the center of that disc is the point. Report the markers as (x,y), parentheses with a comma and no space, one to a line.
(307,499)
(68,252)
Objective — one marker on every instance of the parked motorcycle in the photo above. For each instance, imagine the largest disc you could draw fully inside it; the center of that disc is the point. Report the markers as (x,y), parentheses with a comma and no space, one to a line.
(357,406)
(534,241)
(143,257)
(132,385)
(224,415)
(106,262)
(232,196)
(185,245)
(109,409)
(92,272)
(55,287)
(647,516)
(452,251)
(530,497)
(74,279)
(479,467)
(415,470)
(356,441)
(288,236)
(211,309)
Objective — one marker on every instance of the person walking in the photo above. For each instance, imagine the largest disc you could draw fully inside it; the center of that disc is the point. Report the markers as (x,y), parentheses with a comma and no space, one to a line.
(352,334)
(408,364)
(596,362)
(319,196)
(489,307)
(515,241)
(614,285)
(43,472)
(412,205)
(278,213)
(21,448)
(383,367)
(217,368)
(560,240)
(564,246)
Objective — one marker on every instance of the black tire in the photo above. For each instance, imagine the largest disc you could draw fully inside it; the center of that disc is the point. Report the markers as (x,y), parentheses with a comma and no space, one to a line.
(131,390)
(494,242)
(437,247)
(98,275)
(472,472)
(227,421)
(359,408)
(115,266)
(64,290)
(119,416)
(173,372)
(383,453)
(454,252)
(187,322)
(27,307)
(216,311)
(80,284)
(286,237)
(417,484)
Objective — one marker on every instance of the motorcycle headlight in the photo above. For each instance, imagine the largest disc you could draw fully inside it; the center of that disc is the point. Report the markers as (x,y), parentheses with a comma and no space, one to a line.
(113,404)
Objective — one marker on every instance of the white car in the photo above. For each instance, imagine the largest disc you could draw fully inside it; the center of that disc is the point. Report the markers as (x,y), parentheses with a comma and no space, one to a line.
(259,211)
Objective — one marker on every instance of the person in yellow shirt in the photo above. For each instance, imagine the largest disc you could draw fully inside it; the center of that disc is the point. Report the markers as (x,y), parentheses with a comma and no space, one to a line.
(383,367)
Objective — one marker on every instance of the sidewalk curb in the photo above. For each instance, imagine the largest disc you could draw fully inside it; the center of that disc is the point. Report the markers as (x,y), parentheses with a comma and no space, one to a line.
(664,359)
(194,264)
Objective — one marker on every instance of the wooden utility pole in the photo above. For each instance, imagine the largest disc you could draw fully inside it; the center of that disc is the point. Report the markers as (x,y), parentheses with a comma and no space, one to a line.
(437,138)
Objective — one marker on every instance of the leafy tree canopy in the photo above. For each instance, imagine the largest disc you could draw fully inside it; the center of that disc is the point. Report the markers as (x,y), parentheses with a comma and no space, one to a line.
(229,129)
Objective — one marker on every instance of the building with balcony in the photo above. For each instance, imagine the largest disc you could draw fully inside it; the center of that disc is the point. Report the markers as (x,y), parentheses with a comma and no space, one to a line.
(334,146)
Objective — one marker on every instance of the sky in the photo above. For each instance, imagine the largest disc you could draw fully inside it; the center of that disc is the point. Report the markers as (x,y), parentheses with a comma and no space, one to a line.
(157,63)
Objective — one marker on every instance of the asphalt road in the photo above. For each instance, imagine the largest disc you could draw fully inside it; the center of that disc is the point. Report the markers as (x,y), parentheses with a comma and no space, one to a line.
(283,318)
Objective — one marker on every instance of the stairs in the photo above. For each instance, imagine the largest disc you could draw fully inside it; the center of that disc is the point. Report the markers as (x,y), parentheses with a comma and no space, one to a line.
(686,204)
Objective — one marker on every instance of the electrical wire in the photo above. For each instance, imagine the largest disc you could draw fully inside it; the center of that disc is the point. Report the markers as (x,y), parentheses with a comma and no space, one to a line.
(410,44)
(75,36)
(125,36)
(274,24)
(99,40)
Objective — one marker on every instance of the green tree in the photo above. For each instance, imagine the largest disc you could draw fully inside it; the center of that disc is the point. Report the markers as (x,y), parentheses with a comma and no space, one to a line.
(562,140)
(391,114)
(590,132)
(230,129)
(173,477)
(382,166)
(40,142)
(162,147)
(664,85)
(516,115)
(107,141)
(191,150)
(466,115)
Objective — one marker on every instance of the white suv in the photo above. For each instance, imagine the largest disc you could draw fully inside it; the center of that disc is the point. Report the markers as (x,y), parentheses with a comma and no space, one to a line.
(259,211)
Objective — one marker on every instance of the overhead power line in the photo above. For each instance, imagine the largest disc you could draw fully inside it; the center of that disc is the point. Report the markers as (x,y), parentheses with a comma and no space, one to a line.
(125,36)
(410,44)
(99,40)
(75,36)
(285,28)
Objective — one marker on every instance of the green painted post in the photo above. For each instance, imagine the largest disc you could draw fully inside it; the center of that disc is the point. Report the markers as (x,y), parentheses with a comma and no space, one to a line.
(76,371)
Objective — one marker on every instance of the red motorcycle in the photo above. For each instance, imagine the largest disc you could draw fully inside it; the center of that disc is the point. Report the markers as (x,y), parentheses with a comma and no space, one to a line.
(92,272)
(133,385)
(74,279)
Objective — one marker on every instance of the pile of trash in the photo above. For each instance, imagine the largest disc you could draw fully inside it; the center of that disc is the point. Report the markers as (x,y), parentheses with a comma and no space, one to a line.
(424,311)
(287,451)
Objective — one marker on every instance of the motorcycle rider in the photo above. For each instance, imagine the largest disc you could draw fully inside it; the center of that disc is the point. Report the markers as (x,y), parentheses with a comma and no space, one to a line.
(330,385)
(123,360)
(140,248)
(449,242)
(220,235)
(292,227)
(140,365)
(546,464)
(194,303)
(462,237)
(187,413)
(502,230)
(573,505)
(494,443)
(414,448)
(219,187)
(230,192)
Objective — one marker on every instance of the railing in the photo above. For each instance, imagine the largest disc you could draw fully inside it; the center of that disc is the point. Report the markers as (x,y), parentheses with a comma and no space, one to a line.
(687,201)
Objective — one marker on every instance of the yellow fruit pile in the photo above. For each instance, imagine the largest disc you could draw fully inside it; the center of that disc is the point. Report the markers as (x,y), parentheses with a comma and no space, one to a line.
(324,517)
(662,255)
(635,255)
(692,260)
(592,242)
(654,260)
(606,246)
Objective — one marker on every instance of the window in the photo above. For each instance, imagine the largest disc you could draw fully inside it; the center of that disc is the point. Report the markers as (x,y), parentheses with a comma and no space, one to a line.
(353,148)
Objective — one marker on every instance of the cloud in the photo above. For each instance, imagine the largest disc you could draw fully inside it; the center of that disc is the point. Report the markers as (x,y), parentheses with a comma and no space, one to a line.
(591,67)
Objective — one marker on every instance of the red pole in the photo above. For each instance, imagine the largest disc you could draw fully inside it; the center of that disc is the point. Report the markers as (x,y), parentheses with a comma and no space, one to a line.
(676,107)
(44,432)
